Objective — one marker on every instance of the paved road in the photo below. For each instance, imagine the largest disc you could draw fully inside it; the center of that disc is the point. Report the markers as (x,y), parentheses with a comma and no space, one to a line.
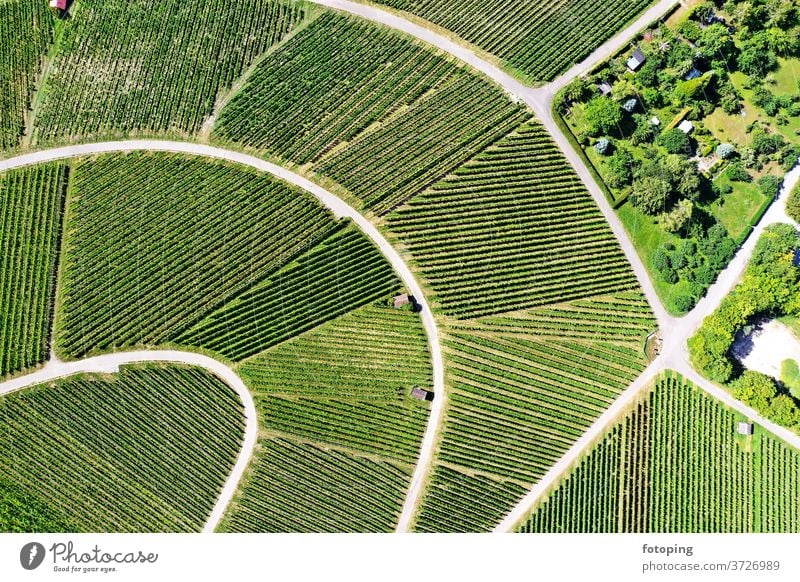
(110,364)
(339,209)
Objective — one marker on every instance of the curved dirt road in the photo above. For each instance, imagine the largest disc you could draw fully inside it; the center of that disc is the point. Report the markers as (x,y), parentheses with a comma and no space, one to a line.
(110,364)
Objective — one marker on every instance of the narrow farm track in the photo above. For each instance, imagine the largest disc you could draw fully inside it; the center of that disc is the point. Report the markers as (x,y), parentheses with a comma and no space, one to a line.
(340,209)
(110,364)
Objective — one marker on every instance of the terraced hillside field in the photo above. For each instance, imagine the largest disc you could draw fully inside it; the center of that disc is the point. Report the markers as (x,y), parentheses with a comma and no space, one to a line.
(26,30)
(676,464)
(545,320)
(135,66)
(522,388)
(540,38)
(147,450)
(31,205)
(512,228)
(378,113)
(340,432)
(150,255)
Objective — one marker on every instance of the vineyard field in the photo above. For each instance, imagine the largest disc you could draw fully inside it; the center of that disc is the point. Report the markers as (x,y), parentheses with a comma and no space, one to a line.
(156,242)
(512,228)
(341,273)
(21,512)
(676,464)
(31,206)
(138,67)
(147,450)
(372,110)
(523,387)
(26,28)
(340,431)
(540,38)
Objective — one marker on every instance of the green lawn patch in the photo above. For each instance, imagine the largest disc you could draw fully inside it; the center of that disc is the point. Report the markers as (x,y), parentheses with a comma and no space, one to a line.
(790,376)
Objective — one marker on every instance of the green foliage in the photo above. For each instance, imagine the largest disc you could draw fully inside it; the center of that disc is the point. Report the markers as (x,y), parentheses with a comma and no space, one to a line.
(143,67)
(21,512)
(793,204)
(695,89)
(147,450)
(755,57)
(401,115)
(650,194)
(602,115)
(769,185)
(771,284)
(343,272)
(620,168)
(678,443)
(675,141)
(27,29)
(736,172)
(677,219)
(790,376)
(755,389)
(31,204)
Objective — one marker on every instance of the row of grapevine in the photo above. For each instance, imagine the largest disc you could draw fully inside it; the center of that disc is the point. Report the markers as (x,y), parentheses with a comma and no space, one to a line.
(523,387)
(540,38)
(327,84)
(380,114)
(156,242)
(341,432)
(26,30)
(299,487)
(370,354)
(676,464)
(512,228)
(146,450)
(31,206)
(341,273)
(23,512)
(459,501)
(135,66)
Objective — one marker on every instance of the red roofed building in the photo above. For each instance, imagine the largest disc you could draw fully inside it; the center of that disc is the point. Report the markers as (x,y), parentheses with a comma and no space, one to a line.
(60,4)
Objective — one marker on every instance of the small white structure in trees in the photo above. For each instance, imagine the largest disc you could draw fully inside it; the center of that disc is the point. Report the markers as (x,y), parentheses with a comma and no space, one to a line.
(686,126)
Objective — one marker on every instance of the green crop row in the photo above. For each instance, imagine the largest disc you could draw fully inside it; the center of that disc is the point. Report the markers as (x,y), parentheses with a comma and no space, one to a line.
(341,431)
(31,206)
(540,38)
(26,30)
(523,387)
(382,115)
(343,272)
(298,487)
(156,242)
(675,463)
(135,66)
(147,450)
(511,229)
